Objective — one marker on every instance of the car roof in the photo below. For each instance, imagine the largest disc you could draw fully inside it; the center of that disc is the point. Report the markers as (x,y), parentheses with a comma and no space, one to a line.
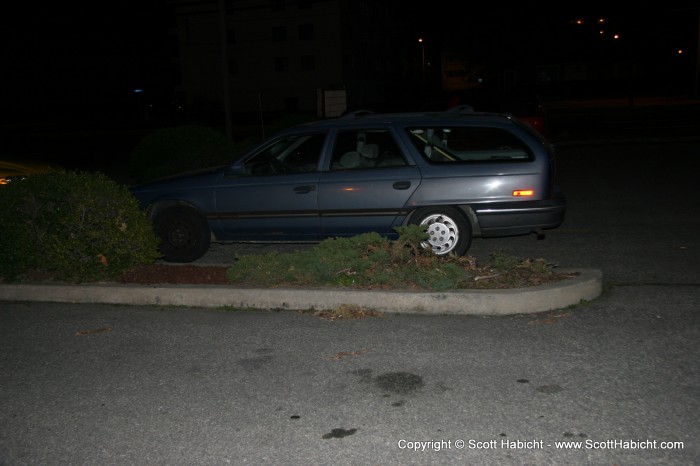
(460,113)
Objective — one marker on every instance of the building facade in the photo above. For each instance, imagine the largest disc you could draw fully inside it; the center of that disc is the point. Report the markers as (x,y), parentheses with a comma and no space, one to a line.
(262,56)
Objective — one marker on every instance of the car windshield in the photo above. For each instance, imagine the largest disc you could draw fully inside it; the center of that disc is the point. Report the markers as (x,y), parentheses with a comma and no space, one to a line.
(468,144)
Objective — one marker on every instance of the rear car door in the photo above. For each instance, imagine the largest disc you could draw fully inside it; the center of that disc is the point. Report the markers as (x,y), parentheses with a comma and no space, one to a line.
(367,185)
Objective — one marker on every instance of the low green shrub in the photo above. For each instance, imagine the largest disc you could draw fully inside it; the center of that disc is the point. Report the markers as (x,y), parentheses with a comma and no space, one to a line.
(76,226)
(364,261)
(372,261)
(169,151)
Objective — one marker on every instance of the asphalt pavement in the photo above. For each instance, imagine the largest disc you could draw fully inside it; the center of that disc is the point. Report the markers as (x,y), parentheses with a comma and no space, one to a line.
(615,381)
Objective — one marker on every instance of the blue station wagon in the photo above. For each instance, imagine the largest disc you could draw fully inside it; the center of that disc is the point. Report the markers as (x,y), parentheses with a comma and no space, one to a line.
(460,173)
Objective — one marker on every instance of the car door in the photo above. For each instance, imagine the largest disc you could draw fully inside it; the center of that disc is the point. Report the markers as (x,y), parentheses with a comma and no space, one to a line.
(367,185)
(272,195)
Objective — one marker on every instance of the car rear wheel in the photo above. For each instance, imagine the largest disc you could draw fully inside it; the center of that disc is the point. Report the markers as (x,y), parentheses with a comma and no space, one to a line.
(184,234)
(448,229)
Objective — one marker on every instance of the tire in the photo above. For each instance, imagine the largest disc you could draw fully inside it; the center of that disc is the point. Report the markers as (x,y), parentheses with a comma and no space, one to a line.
(450,231)
(184,234)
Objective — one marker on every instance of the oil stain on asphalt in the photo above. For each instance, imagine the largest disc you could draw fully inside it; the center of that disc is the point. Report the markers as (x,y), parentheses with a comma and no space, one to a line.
(339,433)
(396,383)
(401,383)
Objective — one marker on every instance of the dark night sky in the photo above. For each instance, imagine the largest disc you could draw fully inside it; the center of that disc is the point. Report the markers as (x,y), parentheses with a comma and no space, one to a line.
(527,29)
(76,54)
(97,52)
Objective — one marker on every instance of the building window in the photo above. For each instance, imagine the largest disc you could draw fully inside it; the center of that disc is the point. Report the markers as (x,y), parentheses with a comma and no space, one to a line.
(279,33)
(176,76)
(277,5)
(281,64)
(306,32)
(231,37)
(233,67)
(363,36)
(308,62)
(304,4)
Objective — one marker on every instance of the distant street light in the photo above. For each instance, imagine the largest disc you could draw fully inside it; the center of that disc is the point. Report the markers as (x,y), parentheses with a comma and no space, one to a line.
(422,47)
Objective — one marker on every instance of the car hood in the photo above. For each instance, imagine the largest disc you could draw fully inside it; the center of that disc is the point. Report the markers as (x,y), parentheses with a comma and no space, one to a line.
(24,167)
(202,178)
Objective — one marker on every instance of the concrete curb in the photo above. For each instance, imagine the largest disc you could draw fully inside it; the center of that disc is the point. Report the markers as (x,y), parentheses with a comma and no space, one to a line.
(586,286)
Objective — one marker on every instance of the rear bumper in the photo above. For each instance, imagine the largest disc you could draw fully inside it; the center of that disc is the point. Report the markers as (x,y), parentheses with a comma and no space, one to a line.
(519,218)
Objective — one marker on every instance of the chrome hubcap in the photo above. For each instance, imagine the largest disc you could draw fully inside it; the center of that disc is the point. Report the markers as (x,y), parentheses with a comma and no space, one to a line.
(443,233)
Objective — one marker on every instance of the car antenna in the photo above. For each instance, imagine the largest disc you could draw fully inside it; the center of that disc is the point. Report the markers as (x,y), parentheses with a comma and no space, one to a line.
(460,110)
(355,114)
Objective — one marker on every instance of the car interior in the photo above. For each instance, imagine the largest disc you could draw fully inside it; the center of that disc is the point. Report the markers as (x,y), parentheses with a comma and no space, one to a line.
(365,149)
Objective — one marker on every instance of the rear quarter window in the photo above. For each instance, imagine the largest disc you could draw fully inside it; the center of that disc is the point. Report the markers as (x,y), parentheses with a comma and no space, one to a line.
(469,144)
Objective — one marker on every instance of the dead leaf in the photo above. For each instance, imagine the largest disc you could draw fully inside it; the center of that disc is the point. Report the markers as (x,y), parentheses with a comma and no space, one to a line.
(549,318)
(90,332)
(347,311)
(340,355)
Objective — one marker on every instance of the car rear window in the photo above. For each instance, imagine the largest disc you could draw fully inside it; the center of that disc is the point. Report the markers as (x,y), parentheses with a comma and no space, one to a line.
(469,144)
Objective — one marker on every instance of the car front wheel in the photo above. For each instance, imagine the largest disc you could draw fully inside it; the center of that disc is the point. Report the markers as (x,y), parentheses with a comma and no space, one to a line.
(449,232)
(184,234)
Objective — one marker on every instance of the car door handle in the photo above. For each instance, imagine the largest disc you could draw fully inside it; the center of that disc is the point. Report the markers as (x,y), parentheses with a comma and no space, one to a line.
(304,189)
(402,185)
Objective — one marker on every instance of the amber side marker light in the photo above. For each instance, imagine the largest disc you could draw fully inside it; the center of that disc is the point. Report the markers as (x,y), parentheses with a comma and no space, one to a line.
(523,192)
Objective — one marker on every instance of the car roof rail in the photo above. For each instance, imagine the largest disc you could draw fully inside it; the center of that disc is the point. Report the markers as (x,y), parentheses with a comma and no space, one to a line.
(355,114)
(460,110)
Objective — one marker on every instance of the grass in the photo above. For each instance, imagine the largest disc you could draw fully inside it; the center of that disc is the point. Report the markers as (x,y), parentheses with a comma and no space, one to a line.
(371,261)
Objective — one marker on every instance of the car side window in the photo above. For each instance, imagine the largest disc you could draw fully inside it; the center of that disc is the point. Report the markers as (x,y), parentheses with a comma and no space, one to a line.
(455,144)
(375,148)
(290,154)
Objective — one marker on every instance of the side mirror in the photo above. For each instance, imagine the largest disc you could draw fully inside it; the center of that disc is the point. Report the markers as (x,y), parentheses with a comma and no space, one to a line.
(236,169)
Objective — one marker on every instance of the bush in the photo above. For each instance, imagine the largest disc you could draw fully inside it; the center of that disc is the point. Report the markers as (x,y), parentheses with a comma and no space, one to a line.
(368,260)
(169,151)
(372,261)
(78,226)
